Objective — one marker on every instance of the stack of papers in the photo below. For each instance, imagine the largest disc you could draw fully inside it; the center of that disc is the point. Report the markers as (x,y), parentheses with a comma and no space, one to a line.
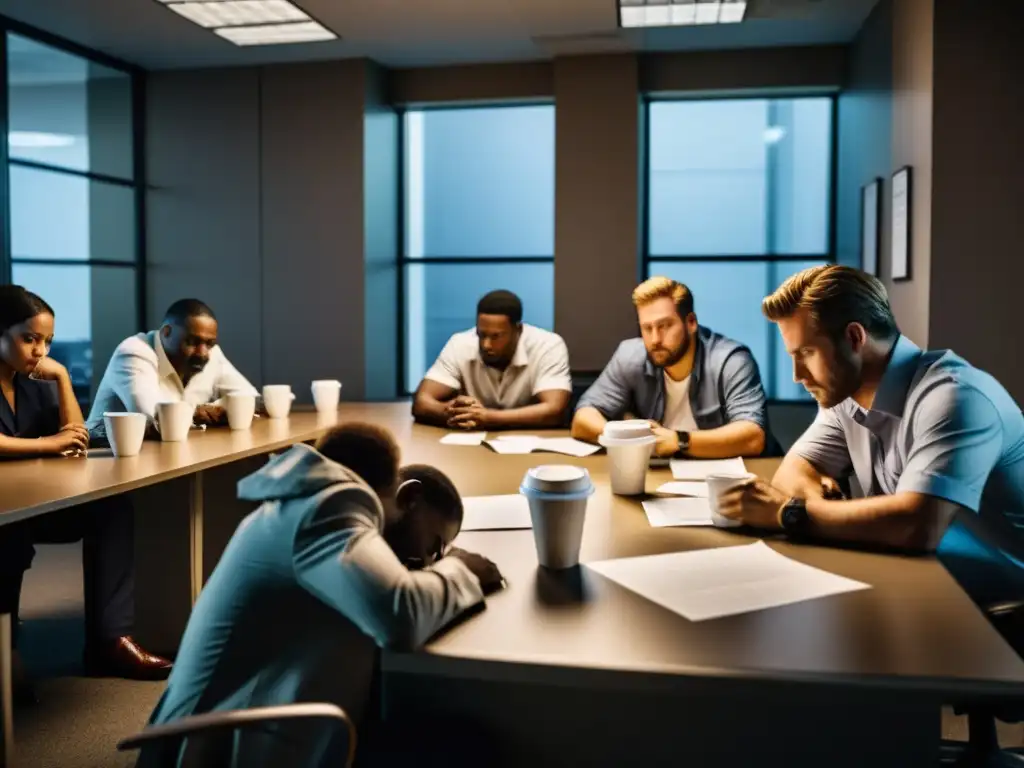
(664,513)
(685,488)
(464,438)
(699,469)
(710,583)
(519,444)
(495,513)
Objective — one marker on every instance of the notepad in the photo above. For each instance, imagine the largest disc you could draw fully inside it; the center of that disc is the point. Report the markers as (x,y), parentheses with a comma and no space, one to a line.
(699,469)
(665,513)
(521,444)
(685,488)
(495,513)
(464,438)
(711,583)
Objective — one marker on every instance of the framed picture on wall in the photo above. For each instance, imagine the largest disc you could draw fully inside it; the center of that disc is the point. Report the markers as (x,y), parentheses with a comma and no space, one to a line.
(870,233)
(901,208)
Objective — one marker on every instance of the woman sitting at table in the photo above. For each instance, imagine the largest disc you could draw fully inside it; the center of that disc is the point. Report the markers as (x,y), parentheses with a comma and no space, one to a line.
(39,417)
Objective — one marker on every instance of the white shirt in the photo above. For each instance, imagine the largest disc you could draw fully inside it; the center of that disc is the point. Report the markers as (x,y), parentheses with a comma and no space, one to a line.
(139,377)
(540,364)
(678,413)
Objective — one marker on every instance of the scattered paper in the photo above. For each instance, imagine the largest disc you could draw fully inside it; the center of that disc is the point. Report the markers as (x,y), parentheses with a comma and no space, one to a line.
(699,469)
(711,583)
(495,513)
(464,438)
(569,446)
(685,488)
(514,444)
(520,444)
(664,513)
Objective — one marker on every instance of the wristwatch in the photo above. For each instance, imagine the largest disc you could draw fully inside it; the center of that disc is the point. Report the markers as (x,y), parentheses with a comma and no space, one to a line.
(793,517)
(684,444)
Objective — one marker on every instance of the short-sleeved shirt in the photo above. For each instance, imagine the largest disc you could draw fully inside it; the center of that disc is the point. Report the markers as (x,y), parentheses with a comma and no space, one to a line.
(37,409)
(937,426)
(725,385)
(540,364)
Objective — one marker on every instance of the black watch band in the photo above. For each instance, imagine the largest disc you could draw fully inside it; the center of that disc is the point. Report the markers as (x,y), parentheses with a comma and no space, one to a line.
(794,518)
(684,444)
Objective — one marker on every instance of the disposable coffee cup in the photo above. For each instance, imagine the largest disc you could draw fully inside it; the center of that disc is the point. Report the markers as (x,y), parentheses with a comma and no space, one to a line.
(326,395)
(277,400)
(241,407)
(125,433)
(557,495)
(629,445)
(719,484)
(174,420)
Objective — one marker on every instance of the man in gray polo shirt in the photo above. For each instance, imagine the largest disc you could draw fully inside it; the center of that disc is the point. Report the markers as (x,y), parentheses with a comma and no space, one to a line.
(701,391)
(925,433)
(501,374)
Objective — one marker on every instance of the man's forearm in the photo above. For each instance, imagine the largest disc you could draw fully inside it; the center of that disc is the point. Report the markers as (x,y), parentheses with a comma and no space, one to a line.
(430,410)
(588,424)
(741,438)
(904,520)
(798,477)
(536,415)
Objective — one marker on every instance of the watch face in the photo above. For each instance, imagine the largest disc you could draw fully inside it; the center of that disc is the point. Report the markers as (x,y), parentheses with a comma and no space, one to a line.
(793,515)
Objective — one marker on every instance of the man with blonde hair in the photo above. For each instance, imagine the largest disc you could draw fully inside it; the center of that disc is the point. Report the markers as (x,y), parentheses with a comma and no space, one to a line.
(925,433)
(701,391)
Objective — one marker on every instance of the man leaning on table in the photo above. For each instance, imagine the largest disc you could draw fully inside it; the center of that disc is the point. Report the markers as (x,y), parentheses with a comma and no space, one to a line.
(701,390)
(925,433)
(501,374)
(180,361)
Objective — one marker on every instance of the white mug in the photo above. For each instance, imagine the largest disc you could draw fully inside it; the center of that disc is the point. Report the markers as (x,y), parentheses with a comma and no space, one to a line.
(326,395)
(174,420)
(277,400)
(241,406)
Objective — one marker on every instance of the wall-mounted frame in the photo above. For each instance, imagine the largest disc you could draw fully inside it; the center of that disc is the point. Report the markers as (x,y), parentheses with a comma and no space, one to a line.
(901,218)
(870,231)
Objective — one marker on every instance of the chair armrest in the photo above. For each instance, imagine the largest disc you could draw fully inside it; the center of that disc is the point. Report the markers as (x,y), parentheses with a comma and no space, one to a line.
(239,719)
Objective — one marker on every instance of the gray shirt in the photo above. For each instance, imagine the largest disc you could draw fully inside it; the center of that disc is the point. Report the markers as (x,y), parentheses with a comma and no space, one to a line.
(937,426)
(725,385)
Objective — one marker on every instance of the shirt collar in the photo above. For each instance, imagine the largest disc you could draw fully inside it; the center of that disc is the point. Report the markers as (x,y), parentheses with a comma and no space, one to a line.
(163,363)
(891,395)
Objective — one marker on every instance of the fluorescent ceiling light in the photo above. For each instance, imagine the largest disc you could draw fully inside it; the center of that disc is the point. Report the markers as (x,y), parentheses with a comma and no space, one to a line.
(684,14)
(732,13)
(678,13)
(235,13)
(276,34)
(633,16)
(39,139)
(707,12)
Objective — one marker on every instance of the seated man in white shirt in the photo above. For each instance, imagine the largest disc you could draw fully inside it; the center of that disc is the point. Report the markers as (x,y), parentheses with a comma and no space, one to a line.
(501,374)
(180,361)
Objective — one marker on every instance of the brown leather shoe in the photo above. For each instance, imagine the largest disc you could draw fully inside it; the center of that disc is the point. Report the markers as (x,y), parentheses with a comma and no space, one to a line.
(123,657)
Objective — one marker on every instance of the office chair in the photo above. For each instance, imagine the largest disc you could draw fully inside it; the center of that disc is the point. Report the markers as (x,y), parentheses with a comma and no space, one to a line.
(987,559)
(218,753)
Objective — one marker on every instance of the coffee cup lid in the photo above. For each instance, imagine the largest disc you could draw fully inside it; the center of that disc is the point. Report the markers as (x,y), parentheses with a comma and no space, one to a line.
(633,429)
(557,478)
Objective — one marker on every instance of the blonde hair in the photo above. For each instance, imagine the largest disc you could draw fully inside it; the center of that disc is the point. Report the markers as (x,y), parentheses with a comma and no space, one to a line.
(834,296)
(655,288)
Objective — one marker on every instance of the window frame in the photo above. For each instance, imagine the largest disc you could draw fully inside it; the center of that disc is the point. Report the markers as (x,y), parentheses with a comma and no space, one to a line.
(768,376)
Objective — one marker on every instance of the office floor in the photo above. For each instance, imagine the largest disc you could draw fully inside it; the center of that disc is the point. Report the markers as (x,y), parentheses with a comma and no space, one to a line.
(80,720)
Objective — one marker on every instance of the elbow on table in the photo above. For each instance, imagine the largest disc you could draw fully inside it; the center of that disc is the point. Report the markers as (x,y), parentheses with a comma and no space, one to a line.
(755,444)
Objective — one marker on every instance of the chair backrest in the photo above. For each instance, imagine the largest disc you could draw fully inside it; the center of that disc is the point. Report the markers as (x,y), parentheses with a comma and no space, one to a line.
(986,557)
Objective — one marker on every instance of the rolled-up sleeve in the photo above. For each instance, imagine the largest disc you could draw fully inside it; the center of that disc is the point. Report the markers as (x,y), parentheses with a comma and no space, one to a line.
(824,445)
(956,442)
(552,369)
(744,393)
(610,394)
(445,369)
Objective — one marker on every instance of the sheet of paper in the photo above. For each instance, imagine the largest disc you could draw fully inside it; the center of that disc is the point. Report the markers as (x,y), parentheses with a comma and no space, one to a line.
(664,513)
(464,438)
(699,469)
(514,444)
(685,488)
(569,446)
(710,583)
(495,513)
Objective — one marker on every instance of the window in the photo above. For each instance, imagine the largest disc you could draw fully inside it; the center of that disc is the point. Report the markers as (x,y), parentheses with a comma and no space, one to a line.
(740,198)
(73,193)
(479,214)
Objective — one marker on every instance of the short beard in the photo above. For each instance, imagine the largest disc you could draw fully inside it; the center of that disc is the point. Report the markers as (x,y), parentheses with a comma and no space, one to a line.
(846,378)
(676,356)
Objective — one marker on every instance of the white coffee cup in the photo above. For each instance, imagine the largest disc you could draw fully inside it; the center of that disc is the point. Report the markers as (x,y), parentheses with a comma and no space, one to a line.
(174,420)
(277,400)
(125,433)
(629,445)
(241,406)
(719,484)
(326,395)
(557,495)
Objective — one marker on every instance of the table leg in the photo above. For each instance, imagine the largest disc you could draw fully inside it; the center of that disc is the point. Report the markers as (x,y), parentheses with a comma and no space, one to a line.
(195,532)
(6,695)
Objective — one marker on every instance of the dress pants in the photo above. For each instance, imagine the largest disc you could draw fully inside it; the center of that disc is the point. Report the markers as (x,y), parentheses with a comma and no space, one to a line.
(107,530)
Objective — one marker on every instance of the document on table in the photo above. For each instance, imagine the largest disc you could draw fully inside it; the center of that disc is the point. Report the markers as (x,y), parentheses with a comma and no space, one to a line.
(710,583)
(665,513)
(495,513)
(685,488)
(520,444)
(699,469)
(464,438)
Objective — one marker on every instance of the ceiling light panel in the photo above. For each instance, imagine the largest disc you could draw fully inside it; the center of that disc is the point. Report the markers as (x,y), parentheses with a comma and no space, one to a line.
(236,13)
(675,13)
(276,34)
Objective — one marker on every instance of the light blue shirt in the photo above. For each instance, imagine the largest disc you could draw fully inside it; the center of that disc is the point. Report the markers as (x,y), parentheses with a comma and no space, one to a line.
(937,426)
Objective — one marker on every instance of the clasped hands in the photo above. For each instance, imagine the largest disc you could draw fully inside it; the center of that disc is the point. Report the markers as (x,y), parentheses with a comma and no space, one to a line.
(465,412)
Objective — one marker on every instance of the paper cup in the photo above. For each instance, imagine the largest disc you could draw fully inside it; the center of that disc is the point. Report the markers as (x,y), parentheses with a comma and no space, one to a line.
(125,433)
(277,400)
(174,420)
(629,445)
(557,495)
(326,395)
(241,406)
(719,484)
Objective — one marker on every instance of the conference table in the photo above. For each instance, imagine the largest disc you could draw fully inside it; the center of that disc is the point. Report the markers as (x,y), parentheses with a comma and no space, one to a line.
(569,668)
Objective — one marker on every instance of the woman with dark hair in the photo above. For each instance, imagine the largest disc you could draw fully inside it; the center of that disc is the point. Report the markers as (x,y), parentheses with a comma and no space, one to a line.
(39,416)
